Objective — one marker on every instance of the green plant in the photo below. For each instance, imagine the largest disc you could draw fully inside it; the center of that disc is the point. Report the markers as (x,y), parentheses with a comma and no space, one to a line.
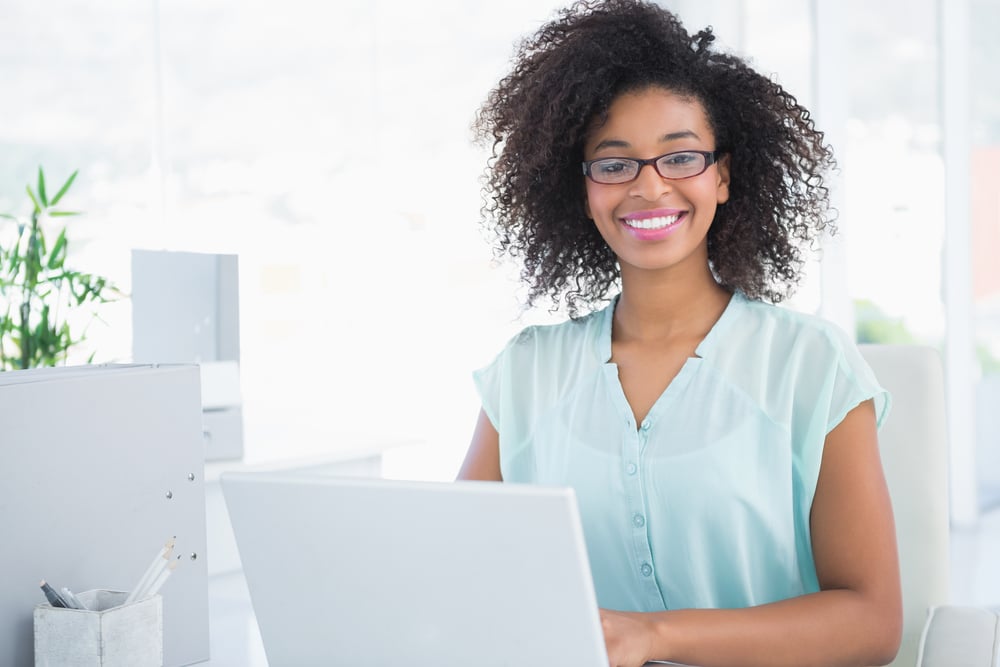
(988,364)
(872,325)
(38,292)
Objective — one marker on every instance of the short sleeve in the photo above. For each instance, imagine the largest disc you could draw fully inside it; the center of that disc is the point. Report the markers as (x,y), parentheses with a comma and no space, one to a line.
(508,385)
(832,380)
(854,383)
(488,383)
(507,388)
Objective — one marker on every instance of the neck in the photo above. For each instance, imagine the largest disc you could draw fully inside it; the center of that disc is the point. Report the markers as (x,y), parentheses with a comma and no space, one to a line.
(656,308)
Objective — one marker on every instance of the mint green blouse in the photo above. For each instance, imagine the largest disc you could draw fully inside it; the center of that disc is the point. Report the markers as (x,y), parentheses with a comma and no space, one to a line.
(706,503)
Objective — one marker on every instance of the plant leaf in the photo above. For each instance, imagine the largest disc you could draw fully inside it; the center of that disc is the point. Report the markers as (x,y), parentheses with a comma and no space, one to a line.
(64,188)
(64,214)
(34,200)
(8,216)
(41,188)
(58,254)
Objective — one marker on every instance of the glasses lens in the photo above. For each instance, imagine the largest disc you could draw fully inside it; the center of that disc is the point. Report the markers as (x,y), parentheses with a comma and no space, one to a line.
(613,170)
(681,165)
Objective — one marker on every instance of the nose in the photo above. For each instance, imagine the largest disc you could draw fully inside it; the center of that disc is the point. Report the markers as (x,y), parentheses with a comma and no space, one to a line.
(649,184)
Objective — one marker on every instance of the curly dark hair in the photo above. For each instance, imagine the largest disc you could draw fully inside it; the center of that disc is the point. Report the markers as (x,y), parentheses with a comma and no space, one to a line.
(565,77)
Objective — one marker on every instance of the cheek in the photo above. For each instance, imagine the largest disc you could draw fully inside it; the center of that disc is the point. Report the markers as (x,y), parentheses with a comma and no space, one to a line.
(596,202)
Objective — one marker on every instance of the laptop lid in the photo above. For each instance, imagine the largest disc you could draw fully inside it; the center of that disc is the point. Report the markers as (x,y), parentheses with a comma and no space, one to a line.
(376,572)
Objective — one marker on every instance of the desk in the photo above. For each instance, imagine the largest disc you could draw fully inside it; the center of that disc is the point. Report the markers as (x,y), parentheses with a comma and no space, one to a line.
(234,639)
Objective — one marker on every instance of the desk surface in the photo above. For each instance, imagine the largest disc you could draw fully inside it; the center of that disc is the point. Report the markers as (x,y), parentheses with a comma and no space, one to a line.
(233,634)
(234,640)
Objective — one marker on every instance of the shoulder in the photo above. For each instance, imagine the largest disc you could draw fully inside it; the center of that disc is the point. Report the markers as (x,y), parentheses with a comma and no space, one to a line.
(770,329)
(575,337)
(535,365)
(787,354)
(793,359)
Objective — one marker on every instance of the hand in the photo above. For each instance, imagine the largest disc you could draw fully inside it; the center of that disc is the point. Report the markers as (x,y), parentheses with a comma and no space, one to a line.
(628,637)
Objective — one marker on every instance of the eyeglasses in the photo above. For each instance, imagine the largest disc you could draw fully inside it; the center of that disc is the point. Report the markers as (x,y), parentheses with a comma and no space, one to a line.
(675,166)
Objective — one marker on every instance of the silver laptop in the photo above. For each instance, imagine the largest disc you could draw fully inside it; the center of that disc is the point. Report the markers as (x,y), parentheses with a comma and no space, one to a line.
(350,571)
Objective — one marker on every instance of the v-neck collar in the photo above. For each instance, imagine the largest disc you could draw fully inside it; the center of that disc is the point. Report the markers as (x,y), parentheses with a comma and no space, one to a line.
(704,348)
(676,386)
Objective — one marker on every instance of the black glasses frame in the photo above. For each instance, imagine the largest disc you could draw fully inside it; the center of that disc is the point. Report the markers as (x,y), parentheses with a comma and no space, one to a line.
(711,157)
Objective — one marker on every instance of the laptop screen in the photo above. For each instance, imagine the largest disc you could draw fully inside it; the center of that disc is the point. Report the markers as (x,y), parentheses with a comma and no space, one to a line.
(371,571)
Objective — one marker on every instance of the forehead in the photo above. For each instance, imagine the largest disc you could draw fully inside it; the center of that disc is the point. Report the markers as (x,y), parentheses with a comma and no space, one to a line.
(648,116)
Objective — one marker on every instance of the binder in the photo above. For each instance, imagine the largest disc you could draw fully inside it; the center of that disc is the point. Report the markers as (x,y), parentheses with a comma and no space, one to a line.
(101,465)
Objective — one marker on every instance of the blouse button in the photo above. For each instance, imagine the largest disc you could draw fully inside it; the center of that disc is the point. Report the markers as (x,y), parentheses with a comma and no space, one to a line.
(646,569)
(639,521)
(632,468)
(645,425)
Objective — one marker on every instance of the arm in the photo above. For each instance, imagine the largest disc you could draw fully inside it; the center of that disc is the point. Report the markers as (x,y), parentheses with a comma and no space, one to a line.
(482,461)
(855,619)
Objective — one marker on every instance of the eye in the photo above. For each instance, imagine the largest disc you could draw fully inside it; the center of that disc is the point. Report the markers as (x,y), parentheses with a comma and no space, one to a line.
(681,159)
(611,167)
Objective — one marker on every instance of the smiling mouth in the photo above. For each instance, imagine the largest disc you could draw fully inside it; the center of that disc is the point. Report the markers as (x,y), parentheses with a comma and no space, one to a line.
(659,222)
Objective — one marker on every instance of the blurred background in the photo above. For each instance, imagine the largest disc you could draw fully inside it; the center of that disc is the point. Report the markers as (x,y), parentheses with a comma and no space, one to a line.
(328,145)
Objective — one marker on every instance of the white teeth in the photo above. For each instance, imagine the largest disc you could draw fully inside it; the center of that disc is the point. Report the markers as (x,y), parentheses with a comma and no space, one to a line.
(653,223)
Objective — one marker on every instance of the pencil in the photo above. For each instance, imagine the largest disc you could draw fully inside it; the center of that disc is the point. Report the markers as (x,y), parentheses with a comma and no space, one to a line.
(161,559)
(160,579)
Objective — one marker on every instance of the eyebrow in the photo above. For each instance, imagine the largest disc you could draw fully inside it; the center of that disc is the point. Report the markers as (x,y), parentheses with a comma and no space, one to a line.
(672,136)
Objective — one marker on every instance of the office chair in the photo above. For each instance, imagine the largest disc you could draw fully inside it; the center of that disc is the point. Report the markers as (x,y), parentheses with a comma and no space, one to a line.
(914,447)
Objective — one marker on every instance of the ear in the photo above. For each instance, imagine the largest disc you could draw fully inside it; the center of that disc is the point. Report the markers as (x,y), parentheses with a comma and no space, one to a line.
(722,187)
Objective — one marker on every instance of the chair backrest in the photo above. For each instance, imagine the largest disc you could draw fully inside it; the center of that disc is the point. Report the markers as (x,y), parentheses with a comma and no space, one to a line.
(914,447)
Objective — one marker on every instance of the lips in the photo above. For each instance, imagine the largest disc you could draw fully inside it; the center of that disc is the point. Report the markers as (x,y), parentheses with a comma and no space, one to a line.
(646,223)
(658,222)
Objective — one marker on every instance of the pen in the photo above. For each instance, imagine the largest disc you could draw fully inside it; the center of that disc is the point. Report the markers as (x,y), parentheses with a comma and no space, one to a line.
(73,601)
(54,598)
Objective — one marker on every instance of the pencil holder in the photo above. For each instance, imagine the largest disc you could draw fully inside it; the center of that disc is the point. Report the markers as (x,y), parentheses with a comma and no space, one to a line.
(108,633)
